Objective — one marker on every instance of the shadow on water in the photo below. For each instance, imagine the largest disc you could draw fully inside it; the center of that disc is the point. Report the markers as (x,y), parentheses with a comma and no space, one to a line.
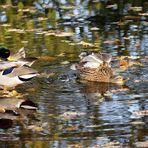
(70,113)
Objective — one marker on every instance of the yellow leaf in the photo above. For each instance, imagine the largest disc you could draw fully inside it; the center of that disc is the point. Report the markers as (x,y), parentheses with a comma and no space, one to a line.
(46,58)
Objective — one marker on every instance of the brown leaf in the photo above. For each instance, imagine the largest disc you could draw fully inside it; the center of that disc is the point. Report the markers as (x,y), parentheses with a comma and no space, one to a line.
(46,58)
(141,113)
(143,144)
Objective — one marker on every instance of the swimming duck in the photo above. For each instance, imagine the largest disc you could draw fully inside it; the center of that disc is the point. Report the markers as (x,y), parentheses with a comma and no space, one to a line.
(96,67)
(15,73)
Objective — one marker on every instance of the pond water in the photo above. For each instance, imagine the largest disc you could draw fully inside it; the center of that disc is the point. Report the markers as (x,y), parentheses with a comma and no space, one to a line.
(70,113)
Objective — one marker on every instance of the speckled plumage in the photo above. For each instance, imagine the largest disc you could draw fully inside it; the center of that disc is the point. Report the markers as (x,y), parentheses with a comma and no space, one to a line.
(96,68)
(100,74)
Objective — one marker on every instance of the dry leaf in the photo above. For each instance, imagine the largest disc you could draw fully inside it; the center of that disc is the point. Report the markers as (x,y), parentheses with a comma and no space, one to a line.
(75,146)
(35,128)
(137,123)
(137,9)
(143,144)
(72,128)
(141,113)
(144,14)
(61,54)
(46,58)
(64,34)
(69,115)
(16,30)
(65,62)
(94,29)
(85,44)
(46,75)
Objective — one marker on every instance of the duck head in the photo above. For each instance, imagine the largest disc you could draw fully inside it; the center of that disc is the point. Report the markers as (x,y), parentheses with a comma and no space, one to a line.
(4,53)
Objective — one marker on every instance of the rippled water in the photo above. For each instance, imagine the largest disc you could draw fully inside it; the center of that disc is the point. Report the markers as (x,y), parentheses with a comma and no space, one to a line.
(70,113)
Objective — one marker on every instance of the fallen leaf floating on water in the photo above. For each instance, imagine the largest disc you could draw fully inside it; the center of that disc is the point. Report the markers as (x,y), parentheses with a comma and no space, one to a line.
(112,144)
(23,10)
(65,62)
(6,6)
(137,123)
(46,58)
(120,90)
(116,41)
(69,115)
(72,128)
(46,75)
(85,44)
(64,34)
(30,10)
(143,144)
(129,17)
(42,18)
(16,30)
(61,54)
(24,42)
(141,113)
(35,128)
(77,145)
(136,9)
(58,34)
(67,7)
(114,6)
(93,126)
(127,61)
(94,29)
(144,14)
(5,25)
(12,93)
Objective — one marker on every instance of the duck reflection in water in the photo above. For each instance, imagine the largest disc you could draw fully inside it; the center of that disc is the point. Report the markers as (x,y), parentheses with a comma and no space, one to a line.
(96,75)
(98,92)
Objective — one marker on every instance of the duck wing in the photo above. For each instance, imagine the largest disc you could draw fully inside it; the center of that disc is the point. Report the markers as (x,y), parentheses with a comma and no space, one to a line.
(104,57)
(6,64)
(22,71)
(20,54)
(91,61)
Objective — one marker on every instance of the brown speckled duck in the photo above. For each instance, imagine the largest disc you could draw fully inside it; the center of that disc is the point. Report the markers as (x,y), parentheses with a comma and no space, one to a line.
(96,67)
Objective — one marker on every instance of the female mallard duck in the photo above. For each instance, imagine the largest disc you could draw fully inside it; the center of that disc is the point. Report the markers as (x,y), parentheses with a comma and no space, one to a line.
(96,67)
(15,73)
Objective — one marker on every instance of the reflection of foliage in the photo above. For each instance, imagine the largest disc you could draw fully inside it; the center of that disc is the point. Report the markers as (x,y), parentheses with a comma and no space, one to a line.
(37,17)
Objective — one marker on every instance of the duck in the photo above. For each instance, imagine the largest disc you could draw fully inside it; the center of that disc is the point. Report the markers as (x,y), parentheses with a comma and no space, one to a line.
(96,67)
(13,73)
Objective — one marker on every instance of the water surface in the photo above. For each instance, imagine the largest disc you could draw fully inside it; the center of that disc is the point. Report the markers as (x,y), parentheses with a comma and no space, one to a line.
(72,114)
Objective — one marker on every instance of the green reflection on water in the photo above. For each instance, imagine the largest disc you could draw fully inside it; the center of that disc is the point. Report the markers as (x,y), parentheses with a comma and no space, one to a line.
(28,27)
